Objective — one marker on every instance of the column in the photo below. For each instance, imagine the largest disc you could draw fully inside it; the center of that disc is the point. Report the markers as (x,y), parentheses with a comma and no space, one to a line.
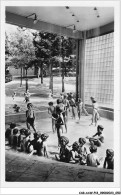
(82,43)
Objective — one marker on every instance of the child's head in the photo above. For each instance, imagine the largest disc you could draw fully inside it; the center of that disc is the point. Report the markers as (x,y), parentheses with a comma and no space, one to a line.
(50,103)
(22,131)
(15,131)
(93,149)
(79,100)
(27,132)
(59,101)
(12,125)
(29,105)
(82,141)
(44,136)
(109,153)
(64,140)
(100,128)
(75,146)
(93,99)
(65,96)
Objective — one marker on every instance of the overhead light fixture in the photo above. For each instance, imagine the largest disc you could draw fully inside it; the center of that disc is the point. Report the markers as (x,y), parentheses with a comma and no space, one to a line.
(95,8)
(74,27)
(96,12)
(35,17)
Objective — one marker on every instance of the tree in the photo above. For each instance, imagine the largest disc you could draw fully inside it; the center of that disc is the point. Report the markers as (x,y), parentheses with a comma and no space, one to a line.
(21,49)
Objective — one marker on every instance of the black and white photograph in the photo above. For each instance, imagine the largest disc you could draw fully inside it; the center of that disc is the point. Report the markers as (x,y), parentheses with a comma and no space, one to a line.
(60,94)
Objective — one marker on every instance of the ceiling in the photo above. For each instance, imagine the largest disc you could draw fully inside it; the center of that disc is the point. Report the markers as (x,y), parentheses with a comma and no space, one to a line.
(61,16)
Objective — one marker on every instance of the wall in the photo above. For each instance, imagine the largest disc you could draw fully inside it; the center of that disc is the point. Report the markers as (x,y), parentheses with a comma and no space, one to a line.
(99,70)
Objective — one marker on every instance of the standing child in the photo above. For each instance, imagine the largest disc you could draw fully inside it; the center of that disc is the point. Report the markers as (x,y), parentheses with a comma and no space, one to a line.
(30,117)
(92,158)
(27,96)
(109,159)
(100,136)
(67,109)
(13,95)
(95,113)
(51,110)
(59,122)
(73,106)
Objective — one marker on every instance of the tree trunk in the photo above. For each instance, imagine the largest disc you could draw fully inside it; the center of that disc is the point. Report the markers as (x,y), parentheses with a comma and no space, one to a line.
(21,78)
(26,81)
(63,88)
(51,77)
(41,73)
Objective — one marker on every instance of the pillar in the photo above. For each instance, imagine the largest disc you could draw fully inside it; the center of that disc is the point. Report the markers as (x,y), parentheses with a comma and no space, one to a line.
(82,43)
(77,69)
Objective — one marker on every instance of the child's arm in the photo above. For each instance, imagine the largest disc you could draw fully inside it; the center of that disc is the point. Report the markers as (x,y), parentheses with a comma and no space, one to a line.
(76,159)
(95,134)
(33,115)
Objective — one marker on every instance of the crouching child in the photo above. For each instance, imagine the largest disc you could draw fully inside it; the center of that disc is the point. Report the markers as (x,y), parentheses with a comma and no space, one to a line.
(92,158)
(109,159)
(64,154)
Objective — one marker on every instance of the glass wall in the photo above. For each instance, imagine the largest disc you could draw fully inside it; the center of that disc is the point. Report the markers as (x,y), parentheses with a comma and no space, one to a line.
(99,71)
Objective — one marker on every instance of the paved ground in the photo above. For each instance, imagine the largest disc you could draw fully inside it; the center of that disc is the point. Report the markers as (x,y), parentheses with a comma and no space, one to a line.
(19,167)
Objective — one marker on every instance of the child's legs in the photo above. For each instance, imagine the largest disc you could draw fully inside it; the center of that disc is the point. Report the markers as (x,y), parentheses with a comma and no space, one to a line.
(53,124)
(79,115)
(85,112)
(73,112)
(65,121)
(93,116)
(28,125)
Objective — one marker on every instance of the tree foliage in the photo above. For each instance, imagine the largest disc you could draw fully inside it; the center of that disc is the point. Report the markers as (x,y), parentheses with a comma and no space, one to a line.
(19,46)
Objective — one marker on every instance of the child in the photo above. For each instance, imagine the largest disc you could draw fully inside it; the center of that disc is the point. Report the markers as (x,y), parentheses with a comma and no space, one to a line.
(64,150)
(24,139)
(100,137)
(81,108)
(27,96)
(64,111)
(95,113)
(9,133)
(30,117)
(42,146)
(67,107)
(92,159)
(13,95)
(82,151)
(51,110)
(109,159)
(33,145)
(59,122)
(74,156)
(15,138)
(73,106)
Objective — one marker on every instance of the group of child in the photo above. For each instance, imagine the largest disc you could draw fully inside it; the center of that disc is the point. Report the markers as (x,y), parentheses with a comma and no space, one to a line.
(36,143)
(77,153)
(26,141)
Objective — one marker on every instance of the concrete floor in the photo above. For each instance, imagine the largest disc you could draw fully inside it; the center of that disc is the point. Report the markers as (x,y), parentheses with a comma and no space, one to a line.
(75,130)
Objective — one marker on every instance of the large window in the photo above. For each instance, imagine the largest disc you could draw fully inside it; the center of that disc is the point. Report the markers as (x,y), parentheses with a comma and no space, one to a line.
(99,71)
